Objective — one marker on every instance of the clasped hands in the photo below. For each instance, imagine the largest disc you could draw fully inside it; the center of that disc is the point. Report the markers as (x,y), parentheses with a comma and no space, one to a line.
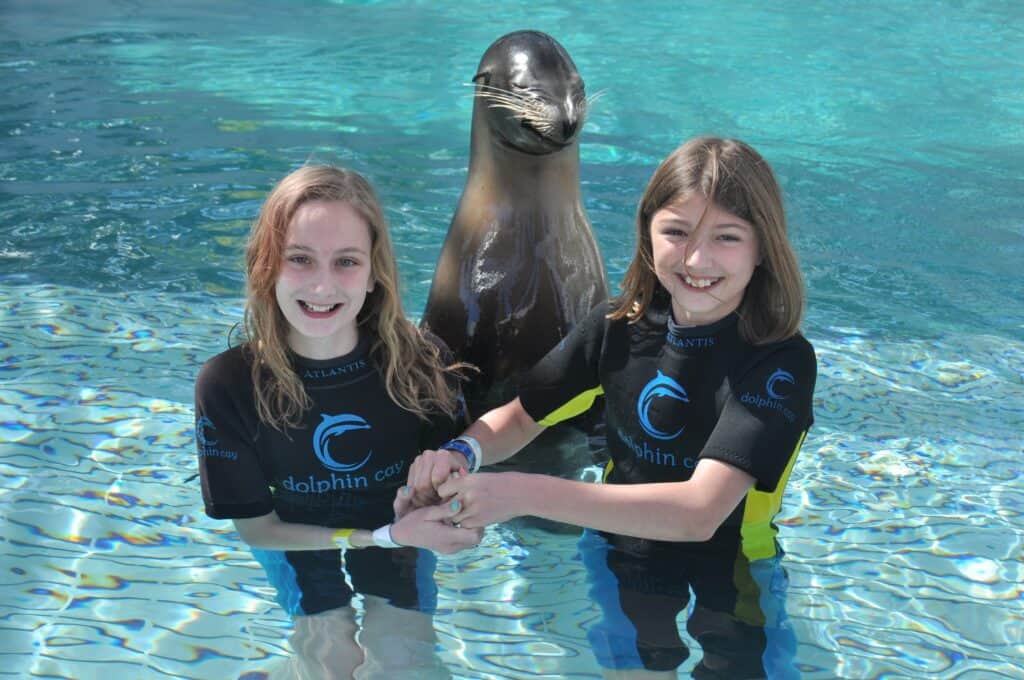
(475,500)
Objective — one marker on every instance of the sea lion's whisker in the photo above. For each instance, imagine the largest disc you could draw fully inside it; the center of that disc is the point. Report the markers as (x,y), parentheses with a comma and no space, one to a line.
(502,98)
(512,105)
(541,128)
(527,117)
(589,102)
(536,119)
(525,109)
(519,112)
(499,94)
(509,97)
(503,90)
(542,123)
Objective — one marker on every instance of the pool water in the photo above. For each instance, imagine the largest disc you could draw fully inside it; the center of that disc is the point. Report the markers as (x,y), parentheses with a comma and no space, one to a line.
(138,140)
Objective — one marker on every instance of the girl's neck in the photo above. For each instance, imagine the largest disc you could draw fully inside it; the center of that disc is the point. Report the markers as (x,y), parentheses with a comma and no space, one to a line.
(330,348)
(703,327)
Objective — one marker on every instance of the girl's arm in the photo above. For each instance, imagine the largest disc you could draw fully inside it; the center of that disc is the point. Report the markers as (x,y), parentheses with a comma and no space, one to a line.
(268,532)
(672,511)
(422,528)
(501,432)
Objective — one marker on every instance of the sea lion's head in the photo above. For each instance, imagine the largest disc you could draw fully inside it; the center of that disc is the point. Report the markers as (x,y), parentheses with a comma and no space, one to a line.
(535,100)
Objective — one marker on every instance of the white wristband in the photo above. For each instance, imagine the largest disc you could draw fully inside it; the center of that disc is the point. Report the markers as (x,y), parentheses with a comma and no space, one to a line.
(478,454)
(382,538)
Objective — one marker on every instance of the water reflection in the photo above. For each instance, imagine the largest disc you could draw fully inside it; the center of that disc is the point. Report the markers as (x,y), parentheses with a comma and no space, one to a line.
(385,642)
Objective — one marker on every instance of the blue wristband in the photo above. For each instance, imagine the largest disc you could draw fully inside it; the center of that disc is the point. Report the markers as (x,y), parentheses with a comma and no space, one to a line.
(465,449)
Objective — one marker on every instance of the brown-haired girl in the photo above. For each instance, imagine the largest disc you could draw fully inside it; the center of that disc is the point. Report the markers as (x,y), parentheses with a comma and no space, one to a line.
(708,389)
(306,429)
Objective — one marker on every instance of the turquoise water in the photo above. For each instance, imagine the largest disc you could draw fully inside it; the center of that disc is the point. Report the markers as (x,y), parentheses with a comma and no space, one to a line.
(138,140)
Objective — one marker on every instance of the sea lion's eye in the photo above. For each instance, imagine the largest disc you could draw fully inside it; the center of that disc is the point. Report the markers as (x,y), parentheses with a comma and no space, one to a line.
(525,90)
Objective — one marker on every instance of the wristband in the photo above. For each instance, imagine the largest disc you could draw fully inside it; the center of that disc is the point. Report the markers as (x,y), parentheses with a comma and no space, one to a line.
(382,538)
(468,447)
(342,538)
(478,453)
(462,447)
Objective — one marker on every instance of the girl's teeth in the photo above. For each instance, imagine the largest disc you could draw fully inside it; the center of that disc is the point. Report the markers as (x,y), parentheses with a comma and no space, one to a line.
(318,308)
(699,283)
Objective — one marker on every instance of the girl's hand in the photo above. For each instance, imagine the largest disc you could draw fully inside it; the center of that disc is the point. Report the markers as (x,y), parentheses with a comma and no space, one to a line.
(484,497)
(431,528)
(403,502)
(428,472)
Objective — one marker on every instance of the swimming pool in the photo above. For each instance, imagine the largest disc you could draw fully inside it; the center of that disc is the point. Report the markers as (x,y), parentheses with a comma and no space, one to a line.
(139,140)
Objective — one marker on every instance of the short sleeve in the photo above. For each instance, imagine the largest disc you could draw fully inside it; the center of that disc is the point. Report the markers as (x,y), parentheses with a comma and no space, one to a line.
(566,381)
(767,414)
(233,483)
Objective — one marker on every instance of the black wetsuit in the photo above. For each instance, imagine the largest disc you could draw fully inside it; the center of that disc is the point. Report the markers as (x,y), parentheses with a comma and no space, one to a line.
(674,396)
(341,468)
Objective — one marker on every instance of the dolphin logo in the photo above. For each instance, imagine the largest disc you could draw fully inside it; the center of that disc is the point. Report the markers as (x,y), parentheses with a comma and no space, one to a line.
(335,426)
(774,380)
(201,425)
(660,386)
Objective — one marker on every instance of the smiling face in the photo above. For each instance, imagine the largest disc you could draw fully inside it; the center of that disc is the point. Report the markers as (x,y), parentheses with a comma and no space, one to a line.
(704,264)
(324,278)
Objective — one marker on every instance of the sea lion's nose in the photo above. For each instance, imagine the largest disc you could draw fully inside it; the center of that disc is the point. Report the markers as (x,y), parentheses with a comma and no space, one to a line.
(571,121)
(569,126)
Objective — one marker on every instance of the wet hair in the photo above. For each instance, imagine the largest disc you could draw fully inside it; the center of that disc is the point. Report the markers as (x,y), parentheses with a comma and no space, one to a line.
(734,177)
(415,374)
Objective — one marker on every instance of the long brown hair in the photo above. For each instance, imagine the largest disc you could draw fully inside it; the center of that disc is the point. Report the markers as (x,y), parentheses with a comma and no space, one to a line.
(732,175)
(415,375)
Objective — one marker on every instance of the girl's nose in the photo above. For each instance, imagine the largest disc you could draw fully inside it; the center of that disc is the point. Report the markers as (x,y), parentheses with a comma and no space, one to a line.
(322,280)
(697,252)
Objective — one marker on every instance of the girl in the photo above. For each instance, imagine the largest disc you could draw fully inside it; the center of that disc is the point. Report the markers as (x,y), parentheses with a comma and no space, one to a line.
(306,430)
(708,388)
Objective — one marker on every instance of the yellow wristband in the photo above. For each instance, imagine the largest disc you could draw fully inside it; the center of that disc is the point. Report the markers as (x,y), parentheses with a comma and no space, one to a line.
(343,538)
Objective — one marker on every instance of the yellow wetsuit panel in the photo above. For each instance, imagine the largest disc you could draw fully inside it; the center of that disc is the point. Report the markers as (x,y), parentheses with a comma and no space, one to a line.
(759,509)
(581,403)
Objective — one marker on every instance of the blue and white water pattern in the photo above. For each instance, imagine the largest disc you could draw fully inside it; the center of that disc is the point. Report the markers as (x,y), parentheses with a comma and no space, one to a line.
(139,138)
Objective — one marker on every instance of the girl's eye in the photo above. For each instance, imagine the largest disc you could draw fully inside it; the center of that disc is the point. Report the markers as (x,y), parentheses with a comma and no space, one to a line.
(347,262)
(731,238)
(299,259)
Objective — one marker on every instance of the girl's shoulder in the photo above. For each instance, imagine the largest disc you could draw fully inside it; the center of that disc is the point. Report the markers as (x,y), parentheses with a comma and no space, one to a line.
(230,366)
(794,355)
(797,345)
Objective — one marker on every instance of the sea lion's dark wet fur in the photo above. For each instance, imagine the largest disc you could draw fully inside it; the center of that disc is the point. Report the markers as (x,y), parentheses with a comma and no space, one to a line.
(520,265)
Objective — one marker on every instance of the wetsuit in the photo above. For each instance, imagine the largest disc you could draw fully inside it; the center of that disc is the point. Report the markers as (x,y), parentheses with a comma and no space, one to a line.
(674,396)
(341,468)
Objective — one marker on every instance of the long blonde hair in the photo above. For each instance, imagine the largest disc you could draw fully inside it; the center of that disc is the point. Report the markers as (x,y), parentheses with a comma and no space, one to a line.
(415,374)
(732,175)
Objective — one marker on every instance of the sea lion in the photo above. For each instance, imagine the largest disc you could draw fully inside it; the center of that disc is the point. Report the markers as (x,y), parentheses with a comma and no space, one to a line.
(520,265)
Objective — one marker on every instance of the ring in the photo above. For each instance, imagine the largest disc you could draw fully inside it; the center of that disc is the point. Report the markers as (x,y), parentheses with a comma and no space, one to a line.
(457,525)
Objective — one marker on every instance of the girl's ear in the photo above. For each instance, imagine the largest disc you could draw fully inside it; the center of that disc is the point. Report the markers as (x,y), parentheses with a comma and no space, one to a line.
(370,285)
